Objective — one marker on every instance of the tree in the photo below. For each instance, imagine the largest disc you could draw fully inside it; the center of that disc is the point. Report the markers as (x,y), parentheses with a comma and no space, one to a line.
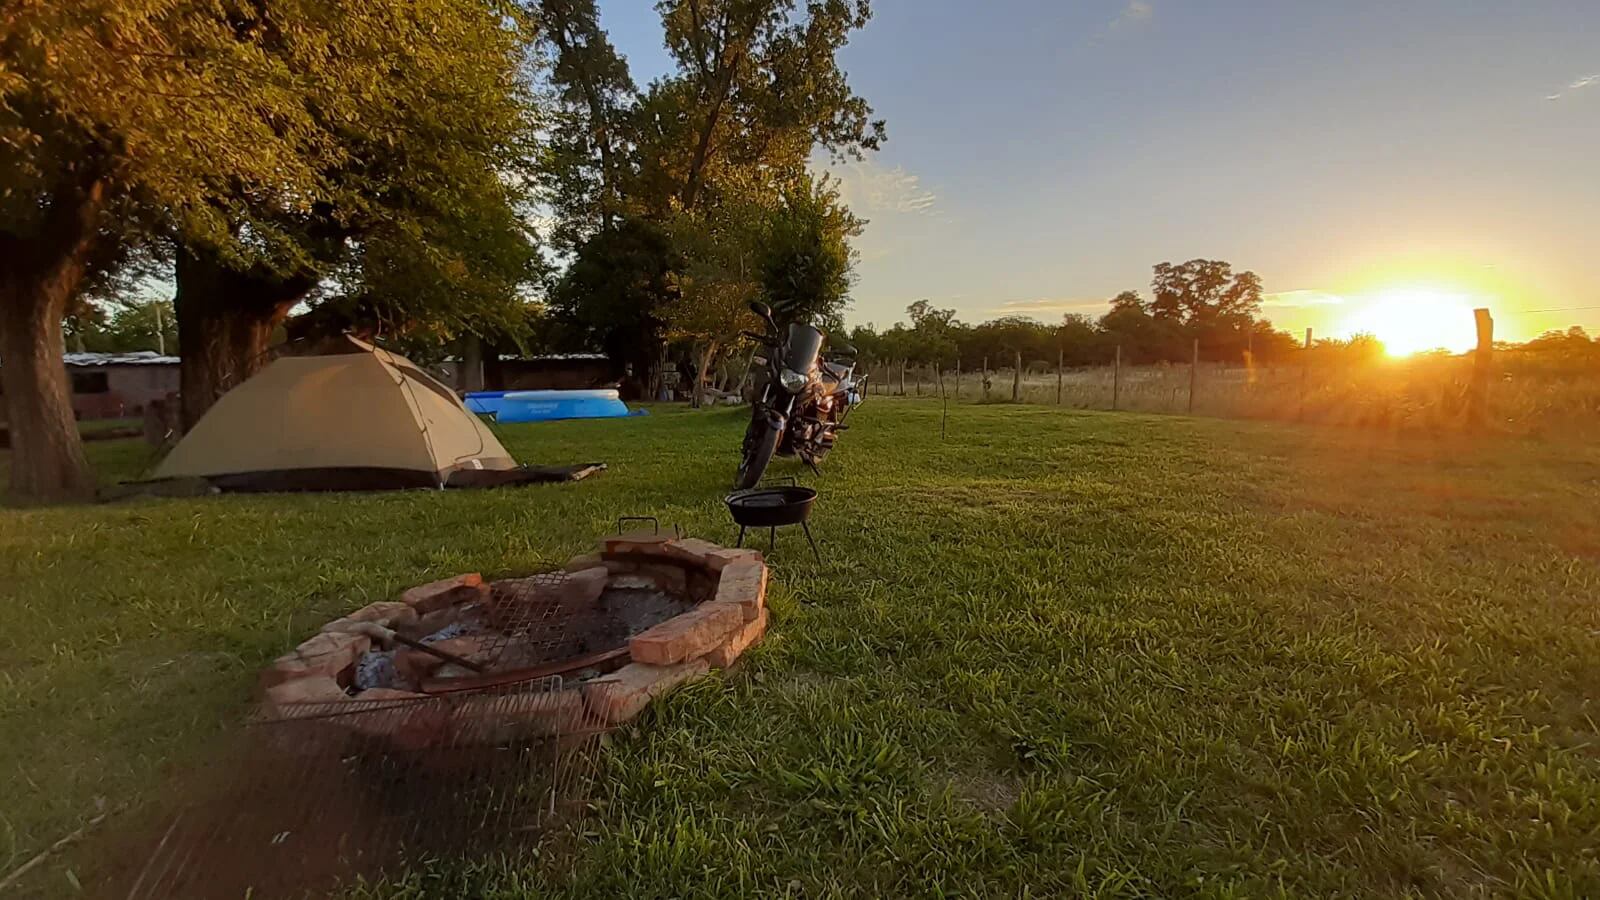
(931,337)
(1078,341)
(720,247)
(726,136)
(1142,336)
(426,165)
(1203,291)
(92,119)
(591,138)
(807,262)
(757,86)
(112,136)
(122,326)
(1211,303)
(613,295)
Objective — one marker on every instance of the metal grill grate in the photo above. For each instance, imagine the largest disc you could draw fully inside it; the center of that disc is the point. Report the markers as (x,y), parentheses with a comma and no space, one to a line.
(339,790)
(547,624)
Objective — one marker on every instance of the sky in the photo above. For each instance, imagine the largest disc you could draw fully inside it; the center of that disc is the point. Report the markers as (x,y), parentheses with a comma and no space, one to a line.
(1384,166)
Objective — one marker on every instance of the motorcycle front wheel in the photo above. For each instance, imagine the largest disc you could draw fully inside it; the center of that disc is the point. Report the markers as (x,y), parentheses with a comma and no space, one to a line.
(760,440)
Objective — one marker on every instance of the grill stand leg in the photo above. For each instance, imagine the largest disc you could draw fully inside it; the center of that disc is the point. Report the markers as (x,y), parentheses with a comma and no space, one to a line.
(740,542)
(810,540)
(772,539)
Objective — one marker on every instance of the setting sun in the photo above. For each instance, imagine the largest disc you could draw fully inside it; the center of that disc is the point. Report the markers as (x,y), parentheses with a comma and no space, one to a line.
(1414,319)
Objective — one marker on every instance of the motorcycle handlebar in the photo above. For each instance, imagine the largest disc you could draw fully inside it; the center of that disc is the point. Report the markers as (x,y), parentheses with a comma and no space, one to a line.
(763,338)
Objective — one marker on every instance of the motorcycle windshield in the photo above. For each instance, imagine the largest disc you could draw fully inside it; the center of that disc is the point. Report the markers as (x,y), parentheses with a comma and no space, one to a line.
(801,349)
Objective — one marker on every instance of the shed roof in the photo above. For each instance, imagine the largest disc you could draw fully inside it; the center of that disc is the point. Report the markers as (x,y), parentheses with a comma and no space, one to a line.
(132,358)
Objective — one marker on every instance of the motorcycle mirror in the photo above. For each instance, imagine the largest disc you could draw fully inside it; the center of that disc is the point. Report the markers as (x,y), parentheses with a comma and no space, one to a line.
(844,348)
(762,310)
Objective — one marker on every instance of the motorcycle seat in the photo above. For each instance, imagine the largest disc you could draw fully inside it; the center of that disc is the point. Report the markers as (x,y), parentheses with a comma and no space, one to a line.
(834,371)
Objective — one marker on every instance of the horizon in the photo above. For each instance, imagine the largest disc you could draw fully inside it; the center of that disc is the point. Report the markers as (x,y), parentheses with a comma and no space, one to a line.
(1365,161)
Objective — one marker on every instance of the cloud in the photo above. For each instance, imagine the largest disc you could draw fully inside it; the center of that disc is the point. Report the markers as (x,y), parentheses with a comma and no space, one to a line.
(1136,13)
(1046,304)
(1577,85)
(868,188)
(1297,299)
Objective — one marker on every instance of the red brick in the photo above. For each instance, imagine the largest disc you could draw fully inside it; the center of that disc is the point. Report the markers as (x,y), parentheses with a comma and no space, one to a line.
(692,550)
(686,636)
(634,543)
(327,654)
(281,699)
(725,556)
(745,583)
(388,613)
(624,693)
(584,585)
(741,640)
(425,598)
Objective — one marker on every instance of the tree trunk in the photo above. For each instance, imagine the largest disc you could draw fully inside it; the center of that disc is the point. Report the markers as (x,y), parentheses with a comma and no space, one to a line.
(47,461)
(38,278)
(703,356)
(470,378)
(225,323)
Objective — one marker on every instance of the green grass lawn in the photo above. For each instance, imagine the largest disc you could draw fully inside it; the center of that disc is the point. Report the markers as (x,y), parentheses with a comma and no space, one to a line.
(1057,652)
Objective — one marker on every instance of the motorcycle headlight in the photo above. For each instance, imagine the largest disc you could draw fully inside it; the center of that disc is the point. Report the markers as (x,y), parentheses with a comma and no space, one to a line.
(791,380)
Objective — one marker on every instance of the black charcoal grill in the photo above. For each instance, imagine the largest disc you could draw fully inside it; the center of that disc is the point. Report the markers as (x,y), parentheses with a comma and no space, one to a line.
(773,508)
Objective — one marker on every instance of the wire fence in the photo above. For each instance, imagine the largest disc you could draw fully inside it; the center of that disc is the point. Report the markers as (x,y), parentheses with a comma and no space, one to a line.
(1435,392)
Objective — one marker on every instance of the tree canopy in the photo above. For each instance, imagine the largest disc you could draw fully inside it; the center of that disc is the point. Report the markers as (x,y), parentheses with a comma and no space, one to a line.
(255,146)
(711,158)
(1200,299)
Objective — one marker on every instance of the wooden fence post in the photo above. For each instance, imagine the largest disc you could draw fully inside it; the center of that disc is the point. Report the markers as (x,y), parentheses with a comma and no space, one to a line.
(1116,377)
(1194,369)
(1305,365)
(1016,380)
(984,377)
(902,376)
(958,378)
(919,381)
(1061,358)
(1482,360)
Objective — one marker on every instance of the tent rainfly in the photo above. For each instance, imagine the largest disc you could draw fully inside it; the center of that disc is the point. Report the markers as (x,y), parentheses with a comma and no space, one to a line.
(349,416)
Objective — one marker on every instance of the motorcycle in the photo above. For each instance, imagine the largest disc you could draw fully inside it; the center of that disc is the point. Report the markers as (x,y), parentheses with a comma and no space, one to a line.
(800,406)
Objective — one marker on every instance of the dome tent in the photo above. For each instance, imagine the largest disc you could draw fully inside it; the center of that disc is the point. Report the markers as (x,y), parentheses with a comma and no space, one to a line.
(344,416)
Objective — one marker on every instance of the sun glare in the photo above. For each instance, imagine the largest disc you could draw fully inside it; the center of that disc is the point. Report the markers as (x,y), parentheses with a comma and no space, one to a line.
(1415,319)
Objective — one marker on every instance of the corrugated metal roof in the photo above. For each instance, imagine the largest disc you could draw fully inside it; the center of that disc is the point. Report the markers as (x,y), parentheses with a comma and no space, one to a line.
(135,358)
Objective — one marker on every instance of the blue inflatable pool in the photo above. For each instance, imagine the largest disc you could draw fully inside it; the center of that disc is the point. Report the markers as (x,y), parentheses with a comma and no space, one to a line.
(545,406)
(485,403)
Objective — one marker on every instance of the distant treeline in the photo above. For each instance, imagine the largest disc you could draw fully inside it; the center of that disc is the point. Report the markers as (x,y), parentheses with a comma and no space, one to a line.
(1200,300)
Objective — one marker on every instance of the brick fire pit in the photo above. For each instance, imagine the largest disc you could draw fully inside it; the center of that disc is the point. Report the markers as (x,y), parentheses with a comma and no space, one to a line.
(614,630)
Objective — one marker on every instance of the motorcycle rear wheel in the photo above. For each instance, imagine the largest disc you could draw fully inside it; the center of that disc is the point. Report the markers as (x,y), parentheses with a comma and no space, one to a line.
(760,440)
